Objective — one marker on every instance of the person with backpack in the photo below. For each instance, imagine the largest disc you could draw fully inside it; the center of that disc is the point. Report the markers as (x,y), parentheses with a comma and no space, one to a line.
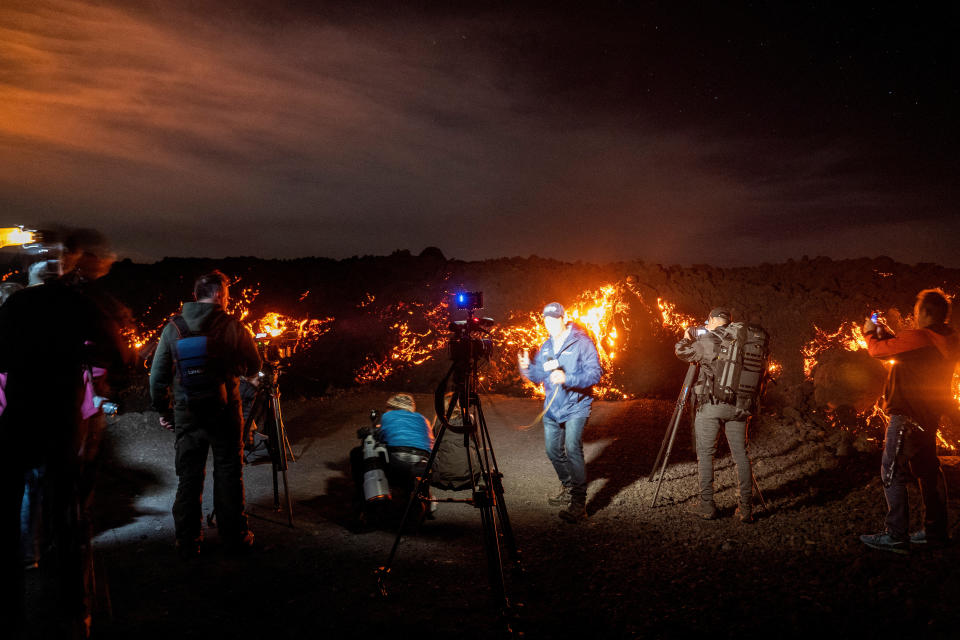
(198,360)
(715,410)
(917,394)
(568,366)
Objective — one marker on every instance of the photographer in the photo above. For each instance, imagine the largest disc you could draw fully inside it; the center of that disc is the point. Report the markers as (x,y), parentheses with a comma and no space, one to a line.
(409,441)
(568,366)
(917,394)
(206,412)
(701,345)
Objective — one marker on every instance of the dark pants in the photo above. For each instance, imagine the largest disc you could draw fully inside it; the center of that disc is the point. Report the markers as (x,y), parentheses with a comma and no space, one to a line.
(65,599)
(564,444)
(229,502)
(917,456)
(711,418)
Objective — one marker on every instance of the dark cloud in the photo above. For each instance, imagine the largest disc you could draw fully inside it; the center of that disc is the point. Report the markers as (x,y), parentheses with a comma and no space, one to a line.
(604,133)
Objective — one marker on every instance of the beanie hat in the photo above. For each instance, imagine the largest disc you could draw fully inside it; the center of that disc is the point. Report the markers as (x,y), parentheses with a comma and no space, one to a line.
(402,401)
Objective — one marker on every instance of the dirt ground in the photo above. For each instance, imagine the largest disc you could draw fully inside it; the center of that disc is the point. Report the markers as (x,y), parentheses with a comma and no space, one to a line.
(630,571)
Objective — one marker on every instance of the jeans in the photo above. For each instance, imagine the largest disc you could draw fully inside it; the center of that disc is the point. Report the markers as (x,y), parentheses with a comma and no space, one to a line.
(564,443)
(917,455)
(710,417)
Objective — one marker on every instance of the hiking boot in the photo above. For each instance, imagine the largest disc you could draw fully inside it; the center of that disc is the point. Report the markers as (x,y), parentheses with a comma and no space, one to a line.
(745,513)
(705,510)
(576,512)
(884,542)
(561,499)
(921,538)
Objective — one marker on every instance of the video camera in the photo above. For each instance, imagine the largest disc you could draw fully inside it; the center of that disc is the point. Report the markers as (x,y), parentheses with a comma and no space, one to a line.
(470,338)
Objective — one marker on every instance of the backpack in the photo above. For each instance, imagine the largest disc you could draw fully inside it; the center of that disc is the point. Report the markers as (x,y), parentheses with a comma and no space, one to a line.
(740,369)
(200,372)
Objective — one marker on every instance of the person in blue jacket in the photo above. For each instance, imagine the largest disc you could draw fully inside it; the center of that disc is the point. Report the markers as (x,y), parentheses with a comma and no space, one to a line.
(568,366)
(409,441)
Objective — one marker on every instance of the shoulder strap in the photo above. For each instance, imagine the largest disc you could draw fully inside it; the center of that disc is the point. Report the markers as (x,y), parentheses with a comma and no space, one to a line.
(184,331)
(181,326)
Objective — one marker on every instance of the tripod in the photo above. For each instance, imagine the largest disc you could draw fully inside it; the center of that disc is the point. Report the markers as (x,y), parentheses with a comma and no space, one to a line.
(672,427)
(487,489)
(670,436)
(266,405)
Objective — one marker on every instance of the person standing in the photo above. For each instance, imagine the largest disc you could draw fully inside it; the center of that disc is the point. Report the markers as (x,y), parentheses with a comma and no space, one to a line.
(701,345)
(207,412)
(49,334)
(916,395)
(568,366)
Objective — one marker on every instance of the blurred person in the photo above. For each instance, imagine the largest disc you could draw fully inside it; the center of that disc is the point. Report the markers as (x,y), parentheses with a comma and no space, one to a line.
(568,365)
(701,345)
(30,505)
(917,393)
(50,334)
(206,413)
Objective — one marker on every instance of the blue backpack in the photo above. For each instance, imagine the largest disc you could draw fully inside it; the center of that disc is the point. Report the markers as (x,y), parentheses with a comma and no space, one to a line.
(200,372)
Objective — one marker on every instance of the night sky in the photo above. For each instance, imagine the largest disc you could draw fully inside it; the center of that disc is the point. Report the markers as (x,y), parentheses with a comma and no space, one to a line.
(721,133)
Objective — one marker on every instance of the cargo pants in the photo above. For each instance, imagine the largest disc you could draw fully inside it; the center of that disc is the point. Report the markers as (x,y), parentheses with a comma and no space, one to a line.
(710,418)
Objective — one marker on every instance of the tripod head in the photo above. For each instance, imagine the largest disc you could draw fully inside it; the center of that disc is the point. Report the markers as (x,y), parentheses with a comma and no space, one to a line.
(470,344)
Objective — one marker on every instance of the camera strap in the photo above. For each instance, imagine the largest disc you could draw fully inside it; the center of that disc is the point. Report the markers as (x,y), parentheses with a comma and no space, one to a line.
(539,417)
(556,391)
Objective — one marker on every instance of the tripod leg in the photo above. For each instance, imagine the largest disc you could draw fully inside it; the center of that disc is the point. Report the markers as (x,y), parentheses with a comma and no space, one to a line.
(421,482)
(485,500)
(677,412)
(284,446)
(666,458)
(497,485)
(756,486)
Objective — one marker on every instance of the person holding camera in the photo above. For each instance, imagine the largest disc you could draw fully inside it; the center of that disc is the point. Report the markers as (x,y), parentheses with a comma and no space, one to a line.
(701,345)
(917,394)
(198,361)
(568,366)
(409,440)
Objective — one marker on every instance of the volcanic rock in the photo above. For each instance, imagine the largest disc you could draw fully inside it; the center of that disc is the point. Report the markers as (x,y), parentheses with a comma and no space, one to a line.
(848,379)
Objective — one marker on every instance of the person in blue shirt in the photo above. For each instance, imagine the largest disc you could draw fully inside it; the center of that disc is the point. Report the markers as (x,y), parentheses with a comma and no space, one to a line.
(568,366)
(409,441)
(404,428)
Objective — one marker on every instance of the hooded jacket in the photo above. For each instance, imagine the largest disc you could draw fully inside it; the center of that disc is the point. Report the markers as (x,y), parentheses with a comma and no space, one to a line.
(231,344)
(578,358)
(919,383)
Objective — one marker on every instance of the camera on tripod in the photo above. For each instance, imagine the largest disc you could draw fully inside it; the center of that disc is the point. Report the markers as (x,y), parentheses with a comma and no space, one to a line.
(470,343)
(470,338)
(275,348)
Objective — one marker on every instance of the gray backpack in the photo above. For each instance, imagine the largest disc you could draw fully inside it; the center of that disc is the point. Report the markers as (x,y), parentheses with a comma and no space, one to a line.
(740,369)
